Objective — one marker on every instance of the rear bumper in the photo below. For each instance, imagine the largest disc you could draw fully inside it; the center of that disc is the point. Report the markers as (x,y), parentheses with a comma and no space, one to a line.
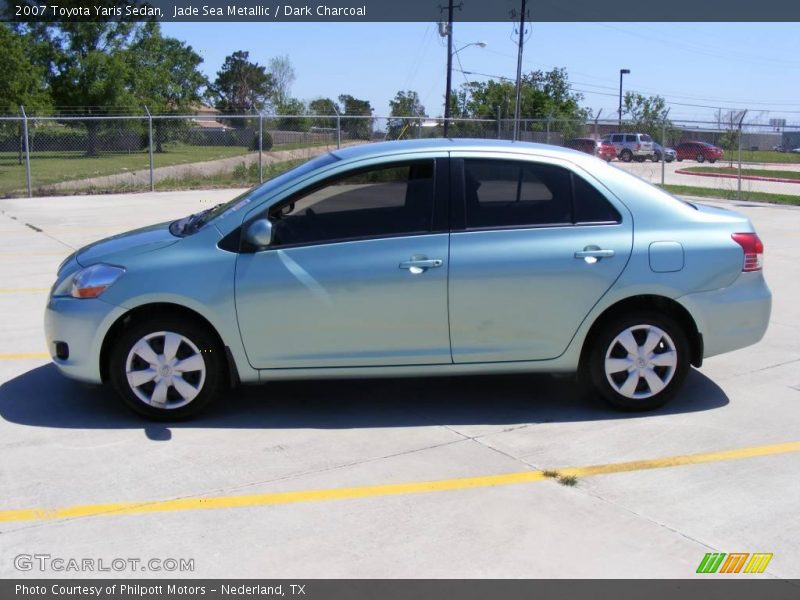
(82,325)
(733,317)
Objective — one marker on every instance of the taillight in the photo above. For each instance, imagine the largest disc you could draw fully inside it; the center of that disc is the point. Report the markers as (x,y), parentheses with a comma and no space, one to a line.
(638,146)
(753,250)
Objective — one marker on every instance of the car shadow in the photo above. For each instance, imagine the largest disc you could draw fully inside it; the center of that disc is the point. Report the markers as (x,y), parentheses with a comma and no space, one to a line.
(42,397)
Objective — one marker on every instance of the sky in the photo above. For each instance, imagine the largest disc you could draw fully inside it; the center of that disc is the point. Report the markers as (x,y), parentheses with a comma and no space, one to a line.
(697,67)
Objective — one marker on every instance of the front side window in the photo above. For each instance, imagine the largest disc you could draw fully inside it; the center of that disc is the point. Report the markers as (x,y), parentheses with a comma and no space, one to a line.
(501,193)
(381,201)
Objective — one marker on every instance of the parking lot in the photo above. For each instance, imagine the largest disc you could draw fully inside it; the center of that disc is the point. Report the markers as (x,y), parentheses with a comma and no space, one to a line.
(391,478)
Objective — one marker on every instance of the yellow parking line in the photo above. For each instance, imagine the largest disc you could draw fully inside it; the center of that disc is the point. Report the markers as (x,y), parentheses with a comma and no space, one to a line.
(23,355)
(23,290)
(395,489)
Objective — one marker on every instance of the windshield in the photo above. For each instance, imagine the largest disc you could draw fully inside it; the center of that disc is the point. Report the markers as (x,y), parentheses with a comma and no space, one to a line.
(193,223)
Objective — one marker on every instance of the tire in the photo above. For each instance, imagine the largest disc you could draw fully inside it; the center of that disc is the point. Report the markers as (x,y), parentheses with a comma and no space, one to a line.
(712,160)
(150,350)
(626,156)
(699,158)
(679,159)
(656,157)
(643,385)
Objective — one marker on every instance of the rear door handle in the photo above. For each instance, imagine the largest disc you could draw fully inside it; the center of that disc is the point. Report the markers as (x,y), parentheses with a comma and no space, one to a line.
(593,252)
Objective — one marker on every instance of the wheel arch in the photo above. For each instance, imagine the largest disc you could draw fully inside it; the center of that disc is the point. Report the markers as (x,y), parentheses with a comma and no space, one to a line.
(161,309)
(656,303)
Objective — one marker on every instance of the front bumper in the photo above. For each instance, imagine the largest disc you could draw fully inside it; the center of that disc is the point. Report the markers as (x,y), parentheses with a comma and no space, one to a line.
(82,324)
(733,317)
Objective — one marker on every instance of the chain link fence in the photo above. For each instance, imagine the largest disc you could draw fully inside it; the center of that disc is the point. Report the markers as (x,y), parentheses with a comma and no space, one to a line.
(71,154)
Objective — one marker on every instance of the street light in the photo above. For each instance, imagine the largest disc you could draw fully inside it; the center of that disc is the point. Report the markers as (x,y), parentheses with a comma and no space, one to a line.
(621,73)
(450,56)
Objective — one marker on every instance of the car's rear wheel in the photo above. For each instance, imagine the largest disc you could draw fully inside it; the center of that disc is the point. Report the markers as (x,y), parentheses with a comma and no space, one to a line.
(167,368)
(626,155)
(712,160)
(699,157)
(639,361)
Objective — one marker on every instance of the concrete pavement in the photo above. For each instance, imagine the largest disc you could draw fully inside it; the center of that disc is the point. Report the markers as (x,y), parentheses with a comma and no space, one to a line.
(69,445)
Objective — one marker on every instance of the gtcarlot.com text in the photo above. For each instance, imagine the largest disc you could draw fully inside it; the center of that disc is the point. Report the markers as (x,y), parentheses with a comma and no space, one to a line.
(59,564)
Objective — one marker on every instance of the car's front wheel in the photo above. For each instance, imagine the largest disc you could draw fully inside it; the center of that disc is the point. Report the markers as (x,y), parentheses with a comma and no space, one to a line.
(639,361)
(167,368)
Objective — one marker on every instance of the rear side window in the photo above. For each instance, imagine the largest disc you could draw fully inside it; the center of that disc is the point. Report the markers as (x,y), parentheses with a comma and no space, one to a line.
(630,138)
(646,138)
(502,193)
(515,193)
(590,206)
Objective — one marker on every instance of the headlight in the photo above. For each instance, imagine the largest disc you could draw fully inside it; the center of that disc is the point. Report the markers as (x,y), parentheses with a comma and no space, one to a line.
(91,281)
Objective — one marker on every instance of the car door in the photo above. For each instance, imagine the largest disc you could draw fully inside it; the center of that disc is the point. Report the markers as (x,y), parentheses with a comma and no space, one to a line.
(356,274)
(535,244)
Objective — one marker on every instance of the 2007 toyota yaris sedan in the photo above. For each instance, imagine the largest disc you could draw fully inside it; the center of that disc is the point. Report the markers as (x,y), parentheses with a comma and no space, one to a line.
(432,257)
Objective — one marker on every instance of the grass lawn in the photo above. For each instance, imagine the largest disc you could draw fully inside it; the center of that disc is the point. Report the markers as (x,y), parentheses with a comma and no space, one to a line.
(688,190)
(240,177)
(53,167)
(751,172)
(763,156)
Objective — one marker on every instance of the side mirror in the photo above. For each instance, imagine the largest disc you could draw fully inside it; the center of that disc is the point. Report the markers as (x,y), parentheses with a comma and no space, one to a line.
(259,233)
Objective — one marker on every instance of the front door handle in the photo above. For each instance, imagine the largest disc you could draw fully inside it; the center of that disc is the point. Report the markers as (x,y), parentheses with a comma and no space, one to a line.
(420,265)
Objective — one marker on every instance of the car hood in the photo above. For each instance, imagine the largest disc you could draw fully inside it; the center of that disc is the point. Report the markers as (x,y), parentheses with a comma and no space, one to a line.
(118,247)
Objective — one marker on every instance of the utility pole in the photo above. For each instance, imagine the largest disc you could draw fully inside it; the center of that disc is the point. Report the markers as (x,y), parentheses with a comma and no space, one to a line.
(621,73)
(519,71)
(449,66)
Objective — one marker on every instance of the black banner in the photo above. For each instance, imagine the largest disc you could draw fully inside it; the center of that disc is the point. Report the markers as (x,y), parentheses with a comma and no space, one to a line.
(399,10)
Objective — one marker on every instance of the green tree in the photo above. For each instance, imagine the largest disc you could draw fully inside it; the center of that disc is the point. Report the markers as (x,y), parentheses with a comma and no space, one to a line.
(543,95)
(360,128)
(296,108)
(22,83)
(323,106)
(646,115)
(241,86)
(165,77)
(90,73)
(405,104)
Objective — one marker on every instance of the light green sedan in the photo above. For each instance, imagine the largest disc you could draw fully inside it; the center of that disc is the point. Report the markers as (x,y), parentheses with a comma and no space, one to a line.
(422,258)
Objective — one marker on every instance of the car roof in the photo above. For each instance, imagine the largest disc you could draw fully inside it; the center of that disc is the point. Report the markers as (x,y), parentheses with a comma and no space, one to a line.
(368,150)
